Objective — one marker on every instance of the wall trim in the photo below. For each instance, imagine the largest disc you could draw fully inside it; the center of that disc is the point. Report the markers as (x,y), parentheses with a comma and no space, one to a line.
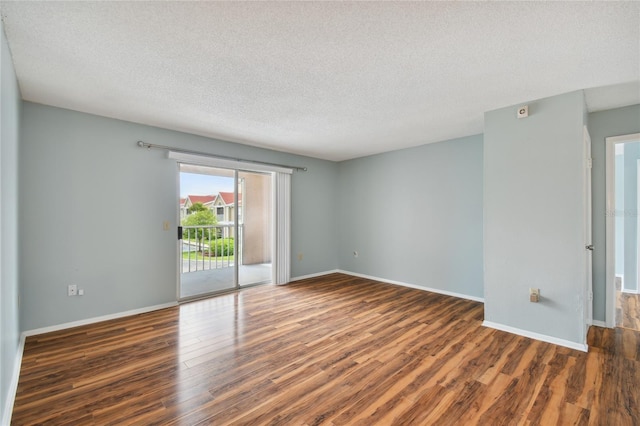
(317,274)
(417,287)
(537,336)
(98,319)
(599,323)
(13,385)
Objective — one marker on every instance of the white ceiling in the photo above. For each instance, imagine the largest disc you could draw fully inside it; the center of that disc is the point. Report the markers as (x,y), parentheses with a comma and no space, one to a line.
(325,79)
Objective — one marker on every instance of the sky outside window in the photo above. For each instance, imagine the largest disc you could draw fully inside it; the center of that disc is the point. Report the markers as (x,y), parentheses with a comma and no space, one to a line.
(199,184)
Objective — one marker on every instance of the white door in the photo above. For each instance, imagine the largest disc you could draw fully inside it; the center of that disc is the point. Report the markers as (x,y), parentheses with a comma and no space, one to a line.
(588,311)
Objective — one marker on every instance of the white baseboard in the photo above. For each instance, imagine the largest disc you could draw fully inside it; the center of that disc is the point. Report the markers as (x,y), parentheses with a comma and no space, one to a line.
(599,323)
(417,287)
(317,274)
(98,319)
(537,336)
(13,385)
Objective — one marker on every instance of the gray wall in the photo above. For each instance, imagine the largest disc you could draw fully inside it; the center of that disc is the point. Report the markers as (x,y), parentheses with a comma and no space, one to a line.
(9,302)
(415,216)
(534,217)
(615,122)
(93,206)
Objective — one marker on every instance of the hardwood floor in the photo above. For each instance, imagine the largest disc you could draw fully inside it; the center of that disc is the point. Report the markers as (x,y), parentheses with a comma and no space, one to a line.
(628,310)
(329,350)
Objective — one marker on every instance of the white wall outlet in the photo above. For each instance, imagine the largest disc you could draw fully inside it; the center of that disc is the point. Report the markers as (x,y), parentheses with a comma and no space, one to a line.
(523,111)
(81,292)
(534,295)
(72,290)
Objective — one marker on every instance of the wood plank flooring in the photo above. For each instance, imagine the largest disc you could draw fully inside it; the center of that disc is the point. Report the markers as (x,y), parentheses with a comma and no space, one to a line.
(332,350)
(628,310)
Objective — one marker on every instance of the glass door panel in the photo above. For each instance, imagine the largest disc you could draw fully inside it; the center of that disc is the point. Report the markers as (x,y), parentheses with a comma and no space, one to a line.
(206,255)
(255,228)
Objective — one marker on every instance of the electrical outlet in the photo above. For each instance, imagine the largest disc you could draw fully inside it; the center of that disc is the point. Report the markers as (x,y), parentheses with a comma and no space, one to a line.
(81,292)
(534,295)
(72,290)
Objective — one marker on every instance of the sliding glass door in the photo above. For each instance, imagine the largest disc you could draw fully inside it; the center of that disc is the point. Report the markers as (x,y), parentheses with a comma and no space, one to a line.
(255,228)
(226,231)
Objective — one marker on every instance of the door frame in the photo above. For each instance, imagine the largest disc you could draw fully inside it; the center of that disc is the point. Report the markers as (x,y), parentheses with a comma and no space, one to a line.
(610,214)
(281,213)
(588,232)
(637,206)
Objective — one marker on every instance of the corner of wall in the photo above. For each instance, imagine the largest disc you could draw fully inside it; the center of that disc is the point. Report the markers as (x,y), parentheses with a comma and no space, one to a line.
(10,349)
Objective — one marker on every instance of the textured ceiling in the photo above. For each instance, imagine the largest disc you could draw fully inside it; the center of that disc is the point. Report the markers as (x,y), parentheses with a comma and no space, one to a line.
(325,79)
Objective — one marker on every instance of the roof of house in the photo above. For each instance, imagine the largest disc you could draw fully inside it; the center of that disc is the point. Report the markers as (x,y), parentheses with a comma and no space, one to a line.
(204,199)
(228,197)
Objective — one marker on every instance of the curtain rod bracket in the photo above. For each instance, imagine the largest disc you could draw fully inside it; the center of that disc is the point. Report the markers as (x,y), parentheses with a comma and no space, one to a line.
(142,144)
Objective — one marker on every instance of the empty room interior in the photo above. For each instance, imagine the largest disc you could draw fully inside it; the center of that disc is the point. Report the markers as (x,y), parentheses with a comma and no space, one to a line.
(294,213)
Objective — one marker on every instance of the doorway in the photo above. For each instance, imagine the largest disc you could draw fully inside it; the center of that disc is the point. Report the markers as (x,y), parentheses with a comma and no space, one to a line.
(623,231)
(226,229)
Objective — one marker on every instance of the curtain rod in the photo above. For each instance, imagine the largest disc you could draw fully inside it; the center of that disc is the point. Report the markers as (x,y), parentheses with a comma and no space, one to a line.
(142,144)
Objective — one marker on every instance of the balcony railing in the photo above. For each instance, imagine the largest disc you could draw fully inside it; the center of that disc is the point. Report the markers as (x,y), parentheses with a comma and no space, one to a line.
(208,247)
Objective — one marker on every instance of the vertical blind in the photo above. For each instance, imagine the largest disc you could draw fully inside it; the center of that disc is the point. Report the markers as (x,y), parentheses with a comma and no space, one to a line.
(283,228)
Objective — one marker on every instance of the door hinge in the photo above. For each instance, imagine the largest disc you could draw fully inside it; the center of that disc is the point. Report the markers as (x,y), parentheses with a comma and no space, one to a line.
(179,232)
